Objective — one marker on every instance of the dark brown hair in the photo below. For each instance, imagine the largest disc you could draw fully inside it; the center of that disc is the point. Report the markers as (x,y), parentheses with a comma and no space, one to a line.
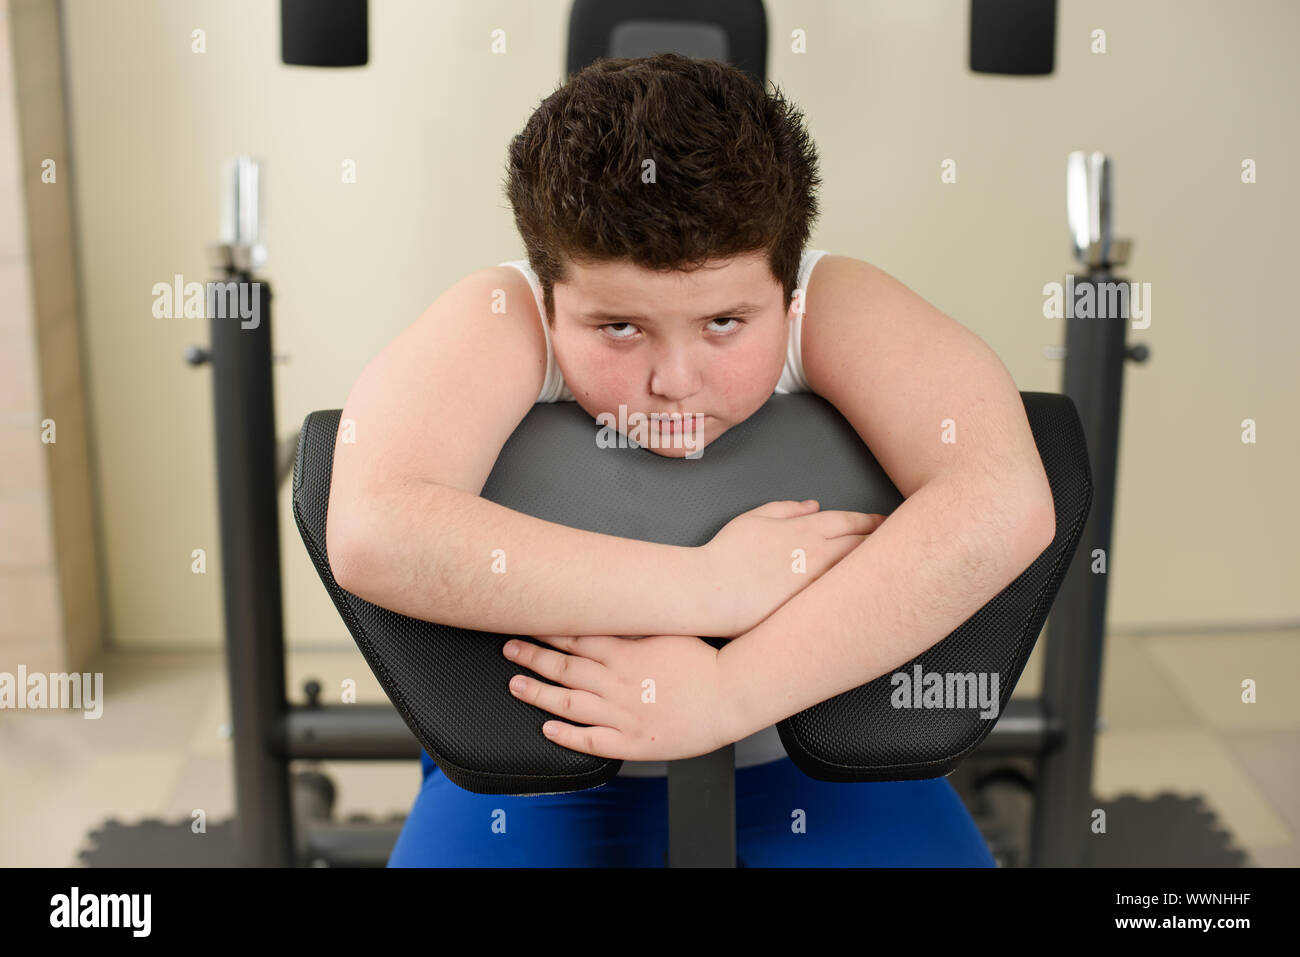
(735,171)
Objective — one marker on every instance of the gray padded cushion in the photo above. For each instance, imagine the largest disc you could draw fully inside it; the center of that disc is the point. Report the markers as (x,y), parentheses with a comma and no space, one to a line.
(449,684)
(731,31)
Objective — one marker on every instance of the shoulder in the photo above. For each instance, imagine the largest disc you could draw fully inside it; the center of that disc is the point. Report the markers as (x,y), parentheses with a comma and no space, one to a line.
(504,295)
(896,366)
(844,291)
(510,279)
(522,303)
(832,272)
(510,288)
(838,289)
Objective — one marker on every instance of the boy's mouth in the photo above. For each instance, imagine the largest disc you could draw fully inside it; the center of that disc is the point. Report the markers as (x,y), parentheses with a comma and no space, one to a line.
(684,420)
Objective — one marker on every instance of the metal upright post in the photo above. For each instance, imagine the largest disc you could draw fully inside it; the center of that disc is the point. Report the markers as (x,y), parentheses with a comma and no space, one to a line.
(1094,378)
(702,810)
(244,412)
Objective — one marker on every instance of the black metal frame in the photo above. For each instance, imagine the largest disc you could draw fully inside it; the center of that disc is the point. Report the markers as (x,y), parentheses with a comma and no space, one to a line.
(1094,380)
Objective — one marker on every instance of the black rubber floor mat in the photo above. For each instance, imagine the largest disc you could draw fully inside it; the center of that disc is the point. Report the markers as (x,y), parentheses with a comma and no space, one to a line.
(154,843)
(1169,830)
(359,841)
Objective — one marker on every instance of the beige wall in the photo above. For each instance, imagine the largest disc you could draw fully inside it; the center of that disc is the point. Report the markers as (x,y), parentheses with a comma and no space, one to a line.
(1206,526)
(50,599)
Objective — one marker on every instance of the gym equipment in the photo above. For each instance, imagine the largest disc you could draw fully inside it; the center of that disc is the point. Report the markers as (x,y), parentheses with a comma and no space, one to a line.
(1095,354)
(331,34)
(731,31)
(450,684)
(1054,731)
(244,410)
(1013,37)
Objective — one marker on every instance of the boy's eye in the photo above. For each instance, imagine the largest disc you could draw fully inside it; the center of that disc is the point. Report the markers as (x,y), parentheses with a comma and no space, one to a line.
(627,328)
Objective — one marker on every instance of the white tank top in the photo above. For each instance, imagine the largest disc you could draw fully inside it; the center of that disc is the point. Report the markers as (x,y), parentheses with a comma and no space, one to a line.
(765,745)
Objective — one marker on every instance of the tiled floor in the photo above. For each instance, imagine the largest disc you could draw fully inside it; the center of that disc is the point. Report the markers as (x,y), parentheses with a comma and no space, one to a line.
(1172,705)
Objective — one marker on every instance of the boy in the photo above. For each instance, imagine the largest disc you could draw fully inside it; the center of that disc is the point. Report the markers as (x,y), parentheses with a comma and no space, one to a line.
(665,204)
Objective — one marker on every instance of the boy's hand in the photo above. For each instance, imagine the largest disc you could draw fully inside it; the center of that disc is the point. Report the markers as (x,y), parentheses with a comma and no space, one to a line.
(750,562)
(648,699)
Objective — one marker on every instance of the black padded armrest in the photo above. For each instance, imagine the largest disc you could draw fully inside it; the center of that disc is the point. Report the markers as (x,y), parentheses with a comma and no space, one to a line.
(449,684)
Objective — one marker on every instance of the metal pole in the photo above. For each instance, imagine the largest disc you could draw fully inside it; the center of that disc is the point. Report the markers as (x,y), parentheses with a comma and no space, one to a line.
(702,810)
(1094,378)
(244,411)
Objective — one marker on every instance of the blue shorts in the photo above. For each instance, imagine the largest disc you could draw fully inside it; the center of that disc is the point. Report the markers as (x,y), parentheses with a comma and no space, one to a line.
(624,823)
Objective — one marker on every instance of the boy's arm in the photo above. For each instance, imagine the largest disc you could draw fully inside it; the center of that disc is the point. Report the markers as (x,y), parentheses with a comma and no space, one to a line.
(939,557)
(946,422)
(433,554)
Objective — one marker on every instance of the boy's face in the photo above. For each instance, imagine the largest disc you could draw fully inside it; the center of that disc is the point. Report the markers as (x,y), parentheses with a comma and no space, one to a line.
(672,342)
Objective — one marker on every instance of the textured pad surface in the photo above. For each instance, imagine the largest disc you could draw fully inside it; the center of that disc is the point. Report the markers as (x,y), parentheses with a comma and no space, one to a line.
(449,684)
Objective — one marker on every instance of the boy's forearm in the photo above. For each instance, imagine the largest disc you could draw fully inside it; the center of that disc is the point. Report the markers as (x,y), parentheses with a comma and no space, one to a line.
(940,557)
(443,554)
